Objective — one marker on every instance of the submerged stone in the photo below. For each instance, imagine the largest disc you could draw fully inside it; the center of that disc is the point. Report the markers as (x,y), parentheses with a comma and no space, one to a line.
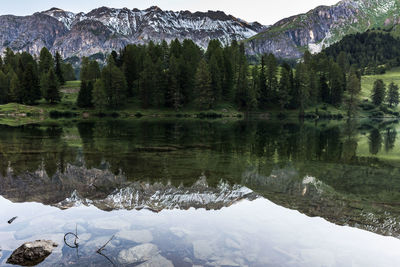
(138,254)
(143,236)
(146,255)
(32,253)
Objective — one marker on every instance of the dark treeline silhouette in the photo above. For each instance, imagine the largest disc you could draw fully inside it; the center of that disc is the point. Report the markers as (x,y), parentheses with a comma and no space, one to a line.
(180,75)
(25,79)
(372,52)
(175,76)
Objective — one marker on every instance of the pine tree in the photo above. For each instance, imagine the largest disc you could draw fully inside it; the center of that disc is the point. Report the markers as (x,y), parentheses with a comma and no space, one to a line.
(254,90)
(84,73)
(242,82)
(3,88)
(147,83)
(271,78)
(99,96)
(263,94)
(393,95)
(85,95)
(174,94)
(68,72)
(46,61)
(303,84)
(228,75)
(44,83)
(336,84)
(14,94)
(216,77)
(114,84)
(10,58)
(203,91)
(160,84)
(94,70)
(324,88)
(284,86)
(354,89)
(30,85)
(378,92)
(53,88)
(90,70)
(58,69)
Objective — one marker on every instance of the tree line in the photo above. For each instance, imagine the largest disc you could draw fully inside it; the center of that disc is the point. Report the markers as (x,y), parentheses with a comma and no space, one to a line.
(175,76)
(180,75)
(372,52)
(26,79)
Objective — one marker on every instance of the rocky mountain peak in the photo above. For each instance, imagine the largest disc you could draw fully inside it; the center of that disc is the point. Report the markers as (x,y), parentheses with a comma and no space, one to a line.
(153,9)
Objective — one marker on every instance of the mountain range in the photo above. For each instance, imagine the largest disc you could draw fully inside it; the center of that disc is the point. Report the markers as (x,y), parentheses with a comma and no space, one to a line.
(105,29)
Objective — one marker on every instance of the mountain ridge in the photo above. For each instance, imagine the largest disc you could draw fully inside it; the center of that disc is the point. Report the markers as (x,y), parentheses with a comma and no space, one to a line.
(105,29)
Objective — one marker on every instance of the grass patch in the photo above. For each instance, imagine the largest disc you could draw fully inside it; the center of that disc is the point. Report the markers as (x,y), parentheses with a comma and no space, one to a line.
(367,82)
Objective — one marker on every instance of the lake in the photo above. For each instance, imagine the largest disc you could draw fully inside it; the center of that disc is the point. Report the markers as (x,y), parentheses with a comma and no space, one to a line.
(190,192)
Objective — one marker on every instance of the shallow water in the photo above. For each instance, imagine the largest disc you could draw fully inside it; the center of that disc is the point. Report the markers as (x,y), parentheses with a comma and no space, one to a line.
(207,193)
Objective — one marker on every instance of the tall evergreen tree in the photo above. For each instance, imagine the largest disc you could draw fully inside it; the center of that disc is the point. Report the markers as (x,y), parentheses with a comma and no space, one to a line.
(174,94)
(302,84)
(216,77)
(378,92)
(85,95)
(147,83)
(30,84)
(263,94)
(285,86)
(58,69)
(114,84)
(324,88)
(68,72)
(393,95)
(90,70)
(271,78)
(336,84)
(99,96)
(203,90)
(14,94)
(53,88)
(354,89)
(46,61)
(228,75)
(3,88)
(242,82)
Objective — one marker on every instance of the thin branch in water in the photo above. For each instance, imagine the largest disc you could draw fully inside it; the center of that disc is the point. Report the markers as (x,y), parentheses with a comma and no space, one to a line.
(12,219)
(104,246)
(75,243)
(100,250)
(101,253)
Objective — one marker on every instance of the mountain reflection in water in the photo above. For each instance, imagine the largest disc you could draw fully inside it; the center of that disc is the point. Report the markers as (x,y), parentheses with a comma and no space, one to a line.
(209,182)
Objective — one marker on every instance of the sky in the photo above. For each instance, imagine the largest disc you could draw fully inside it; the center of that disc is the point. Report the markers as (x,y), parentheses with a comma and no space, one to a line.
(266,12)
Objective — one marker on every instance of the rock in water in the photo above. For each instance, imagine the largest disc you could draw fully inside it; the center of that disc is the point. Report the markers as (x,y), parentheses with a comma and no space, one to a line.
(146,255)
(32,253)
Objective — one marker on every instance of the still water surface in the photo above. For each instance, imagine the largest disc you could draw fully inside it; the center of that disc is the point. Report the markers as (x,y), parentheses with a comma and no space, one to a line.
(203,193)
